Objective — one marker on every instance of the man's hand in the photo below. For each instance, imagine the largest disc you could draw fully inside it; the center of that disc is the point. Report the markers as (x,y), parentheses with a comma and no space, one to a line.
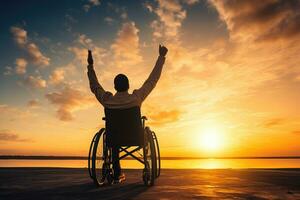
(90,60)
(163,50)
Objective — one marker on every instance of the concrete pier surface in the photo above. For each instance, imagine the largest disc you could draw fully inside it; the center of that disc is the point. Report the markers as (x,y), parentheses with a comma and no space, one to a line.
(69,183)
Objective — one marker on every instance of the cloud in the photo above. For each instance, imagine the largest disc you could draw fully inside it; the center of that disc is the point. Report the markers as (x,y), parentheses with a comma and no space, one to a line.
(85,41)
(191,2)
(80,54)
(148,6)
(36,55)
(164,117)
(170,17)
(124,15)
(57,76)
(69,100)
(13,113)
(20,35)
(8,71)
(21,65)
(34,103)
(260,20)
(82,44)
(171,14)
(9,136)
(95,2)
(69,21)
(32,50)
(35,82)
(86,7)
(296,132)
(126,45)
(4,107)
(109,20)
(273,122)
(119,11)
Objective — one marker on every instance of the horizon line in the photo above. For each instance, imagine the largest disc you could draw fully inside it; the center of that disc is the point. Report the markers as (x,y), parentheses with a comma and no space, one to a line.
(50,157)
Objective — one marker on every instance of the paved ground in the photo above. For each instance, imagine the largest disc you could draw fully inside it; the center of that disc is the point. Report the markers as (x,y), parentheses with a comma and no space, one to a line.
(57,183)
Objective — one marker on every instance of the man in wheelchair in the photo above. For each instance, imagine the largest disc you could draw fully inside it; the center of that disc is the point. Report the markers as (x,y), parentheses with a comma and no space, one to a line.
(122,100)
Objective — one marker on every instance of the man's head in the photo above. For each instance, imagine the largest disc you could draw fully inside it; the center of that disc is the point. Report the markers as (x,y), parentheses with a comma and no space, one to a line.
(121,83)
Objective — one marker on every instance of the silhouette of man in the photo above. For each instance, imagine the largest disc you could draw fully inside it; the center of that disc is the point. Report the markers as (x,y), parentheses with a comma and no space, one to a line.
(122,99)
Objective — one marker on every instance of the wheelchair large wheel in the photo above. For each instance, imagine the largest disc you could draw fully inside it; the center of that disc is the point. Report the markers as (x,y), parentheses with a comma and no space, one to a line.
(101,160)
(149,172)
(90,154)
(157,154)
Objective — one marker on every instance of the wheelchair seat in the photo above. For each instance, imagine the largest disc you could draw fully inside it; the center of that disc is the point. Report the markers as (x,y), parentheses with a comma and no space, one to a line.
(124,127)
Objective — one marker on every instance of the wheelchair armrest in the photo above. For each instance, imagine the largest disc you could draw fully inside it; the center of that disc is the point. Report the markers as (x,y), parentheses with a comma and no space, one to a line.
(103,118)
(144,118)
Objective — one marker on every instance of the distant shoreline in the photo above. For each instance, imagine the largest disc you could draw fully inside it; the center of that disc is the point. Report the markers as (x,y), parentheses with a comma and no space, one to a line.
(21,157)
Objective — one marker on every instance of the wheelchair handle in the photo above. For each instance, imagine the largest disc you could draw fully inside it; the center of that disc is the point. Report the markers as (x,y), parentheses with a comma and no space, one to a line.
(144,118)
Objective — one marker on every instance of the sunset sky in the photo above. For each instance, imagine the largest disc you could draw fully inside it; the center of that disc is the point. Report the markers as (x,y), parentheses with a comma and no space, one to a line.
(230,85)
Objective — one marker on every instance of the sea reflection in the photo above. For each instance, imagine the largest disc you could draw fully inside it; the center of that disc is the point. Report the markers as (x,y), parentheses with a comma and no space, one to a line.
(167,164)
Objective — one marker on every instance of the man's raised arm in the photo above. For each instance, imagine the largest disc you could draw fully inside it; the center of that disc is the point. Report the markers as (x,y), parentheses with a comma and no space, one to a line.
(153,78)
(96,88)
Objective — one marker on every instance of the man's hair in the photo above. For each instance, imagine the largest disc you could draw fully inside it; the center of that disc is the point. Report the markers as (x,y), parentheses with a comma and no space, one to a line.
(121,83)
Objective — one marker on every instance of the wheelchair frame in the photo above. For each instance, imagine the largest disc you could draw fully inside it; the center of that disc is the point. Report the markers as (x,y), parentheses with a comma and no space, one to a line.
(151,162)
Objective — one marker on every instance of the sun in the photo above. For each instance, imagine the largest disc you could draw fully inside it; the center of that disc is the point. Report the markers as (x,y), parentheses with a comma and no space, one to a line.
(210,139)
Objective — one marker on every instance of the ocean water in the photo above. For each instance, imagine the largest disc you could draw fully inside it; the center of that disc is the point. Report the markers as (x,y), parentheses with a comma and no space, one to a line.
(167,164)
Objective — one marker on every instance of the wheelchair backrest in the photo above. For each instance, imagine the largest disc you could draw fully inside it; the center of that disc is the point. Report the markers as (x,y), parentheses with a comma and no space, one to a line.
(124,127)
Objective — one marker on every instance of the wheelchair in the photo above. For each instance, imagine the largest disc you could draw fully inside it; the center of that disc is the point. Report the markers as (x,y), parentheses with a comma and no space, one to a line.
(124,128)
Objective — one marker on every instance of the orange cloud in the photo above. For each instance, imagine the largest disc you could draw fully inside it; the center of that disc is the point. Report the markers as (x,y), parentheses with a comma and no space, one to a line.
(20,35)
(35,82)
(32,50)
(69,100)
(21,65)
(9,136)
(297,132)
(170,17)
(164,117)
(83,43)
(171,14)
(260,20)
(34,103)
(57,76)
(126,45)
(36,55)
(273,122)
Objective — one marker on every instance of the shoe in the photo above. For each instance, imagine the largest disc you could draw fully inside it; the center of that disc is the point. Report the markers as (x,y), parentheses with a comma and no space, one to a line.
(102,181)
(119,179)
